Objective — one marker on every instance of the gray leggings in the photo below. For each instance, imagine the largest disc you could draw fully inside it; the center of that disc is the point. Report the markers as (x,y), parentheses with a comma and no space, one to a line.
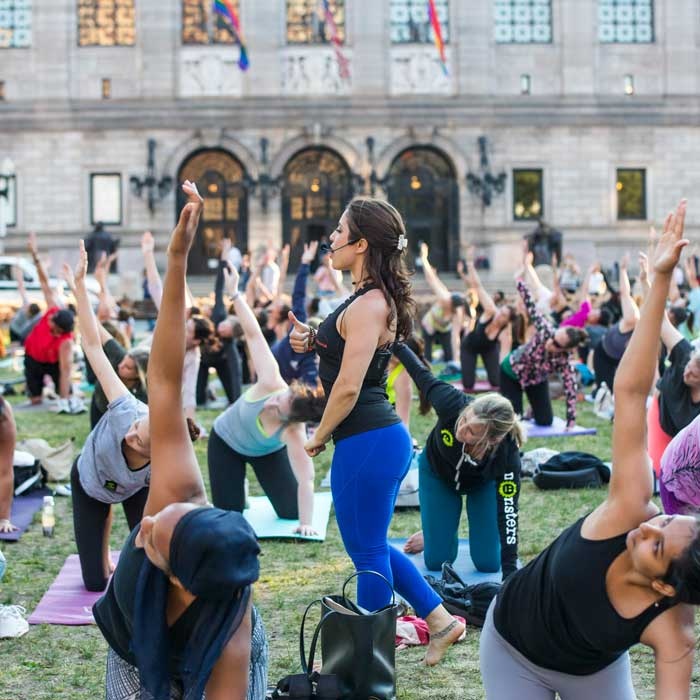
(507,674)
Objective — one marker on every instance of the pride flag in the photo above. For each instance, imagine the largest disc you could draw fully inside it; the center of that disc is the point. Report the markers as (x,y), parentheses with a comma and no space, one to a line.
(225,9)
(437,31)
(343,63)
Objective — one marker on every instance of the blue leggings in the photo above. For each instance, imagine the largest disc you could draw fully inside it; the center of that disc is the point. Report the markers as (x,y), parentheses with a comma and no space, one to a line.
(366,473)
(440,511)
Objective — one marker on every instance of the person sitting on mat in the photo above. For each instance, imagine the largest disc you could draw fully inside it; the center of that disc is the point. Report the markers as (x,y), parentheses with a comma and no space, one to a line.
(528,366)
(114,464)
(608,352)
(473,449)
(265,428)
(8,438)
(443,321)
(620,575)
(178,613)
(491,337)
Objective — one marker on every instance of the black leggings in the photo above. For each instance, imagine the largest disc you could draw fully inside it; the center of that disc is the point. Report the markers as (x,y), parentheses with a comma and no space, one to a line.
(468,358)
(228,366)
(537,394)
(227,476)
(444,339)
(90,518)
(604,367)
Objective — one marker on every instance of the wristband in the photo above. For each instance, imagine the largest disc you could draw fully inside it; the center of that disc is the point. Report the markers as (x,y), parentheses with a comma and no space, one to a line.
(311,340)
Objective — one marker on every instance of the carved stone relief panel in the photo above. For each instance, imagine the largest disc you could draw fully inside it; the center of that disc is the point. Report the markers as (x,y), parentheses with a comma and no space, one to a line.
(314,71)
(417,70)
(210,71)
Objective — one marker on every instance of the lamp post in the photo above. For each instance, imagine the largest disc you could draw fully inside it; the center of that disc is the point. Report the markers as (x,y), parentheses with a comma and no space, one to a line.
(7,171)
(154,188)
(265,186)
(485,184)
(374,179)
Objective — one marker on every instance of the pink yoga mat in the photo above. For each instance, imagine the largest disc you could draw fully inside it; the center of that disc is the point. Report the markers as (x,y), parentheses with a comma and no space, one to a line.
(67,602)
(557,429)
(480,387)
(23,510)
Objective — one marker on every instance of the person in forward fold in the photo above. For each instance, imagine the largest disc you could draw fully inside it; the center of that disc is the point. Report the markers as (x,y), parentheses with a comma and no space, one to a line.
(178,613)
(372,446)
(620,575)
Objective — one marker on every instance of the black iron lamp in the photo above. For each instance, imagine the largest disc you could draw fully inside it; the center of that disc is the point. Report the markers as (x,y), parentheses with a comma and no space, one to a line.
(374,179)
(154,188)
(265,186)
(485,184)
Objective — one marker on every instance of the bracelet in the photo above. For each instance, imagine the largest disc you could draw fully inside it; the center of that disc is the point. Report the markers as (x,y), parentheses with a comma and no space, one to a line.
(311,340)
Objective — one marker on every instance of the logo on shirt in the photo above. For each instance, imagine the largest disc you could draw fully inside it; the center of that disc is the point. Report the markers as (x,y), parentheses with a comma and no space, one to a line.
(448,439)
(507,489)
(111,486)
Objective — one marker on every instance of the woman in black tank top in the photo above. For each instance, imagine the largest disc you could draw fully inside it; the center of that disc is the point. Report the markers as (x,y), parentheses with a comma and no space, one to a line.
(372,447)
(621,575)
(491,338)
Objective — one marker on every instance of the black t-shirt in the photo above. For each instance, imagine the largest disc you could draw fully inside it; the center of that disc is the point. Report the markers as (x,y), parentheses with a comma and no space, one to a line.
(372,409)
(676,407)
(444,452)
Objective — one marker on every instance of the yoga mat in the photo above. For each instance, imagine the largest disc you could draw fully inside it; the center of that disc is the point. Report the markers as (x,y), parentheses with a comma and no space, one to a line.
(67,602)
(463,565)
(480,387)
(263,519)
(557,429)
(23,510)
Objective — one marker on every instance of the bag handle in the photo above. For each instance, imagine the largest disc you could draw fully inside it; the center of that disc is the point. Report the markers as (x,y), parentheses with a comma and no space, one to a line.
(374,573)
(308,666)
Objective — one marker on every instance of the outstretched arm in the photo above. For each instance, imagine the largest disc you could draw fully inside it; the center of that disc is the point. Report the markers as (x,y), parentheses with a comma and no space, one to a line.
(175,475)
(474,281)
(631,482)
(431,277)
(284,265)
(49,294)
(630,310)
(91,338)
(303,468)
(155,284)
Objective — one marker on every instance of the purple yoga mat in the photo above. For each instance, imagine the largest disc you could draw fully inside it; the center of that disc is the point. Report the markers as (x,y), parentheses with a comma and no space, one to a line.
(67,602)
(557,429)
(23,511)
(480,387)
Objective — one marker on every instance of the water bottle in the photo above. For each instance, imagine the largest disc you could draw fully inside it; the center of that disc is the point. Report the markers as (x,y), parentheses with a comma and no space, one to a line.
(48,516)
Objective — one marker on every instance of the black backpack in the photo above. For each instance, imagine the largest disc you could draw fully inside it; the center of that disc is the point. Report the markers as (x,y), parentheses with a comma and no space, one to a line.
(572,470)
(30,478)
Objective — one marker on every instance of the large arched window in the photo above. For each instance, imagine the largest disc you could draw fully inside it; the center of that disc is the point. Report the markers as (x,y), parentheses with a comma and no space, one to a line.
(317,186)
(220,180)
(422,185)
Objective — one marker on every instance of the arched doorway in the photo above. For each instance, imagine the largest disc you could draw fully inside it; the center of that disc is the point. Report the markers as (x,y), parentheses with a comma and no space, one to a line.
(220,180)
(317,186)
(422,185)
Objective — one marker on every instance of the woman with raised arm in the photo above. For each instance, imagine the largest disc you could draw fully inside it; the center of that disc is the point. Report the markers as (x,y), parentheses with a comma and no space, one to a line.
(621,575)
(177,614)
(443,321)
(265,428)
(609,351)
(527,368)
(490,338)
(372,446)
(114,464)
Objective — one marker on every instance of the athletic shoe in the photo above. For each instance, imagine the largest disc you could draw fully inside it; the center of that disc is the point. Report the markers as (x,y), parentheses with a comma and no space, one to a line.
(76,405)
(12,624)
(62,490)
(62,406)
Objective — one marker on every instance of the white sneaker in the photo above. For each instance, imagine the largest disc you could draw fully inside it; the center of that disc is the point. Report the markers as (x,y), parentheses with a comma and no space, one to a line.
(61,406)
(12,624)
(76,405)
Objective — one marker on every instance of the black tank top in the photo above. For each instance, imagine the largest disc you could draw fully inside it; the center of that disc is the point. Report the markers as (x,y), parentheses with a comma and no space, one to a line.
(372,409)
(478,341)
(556,610)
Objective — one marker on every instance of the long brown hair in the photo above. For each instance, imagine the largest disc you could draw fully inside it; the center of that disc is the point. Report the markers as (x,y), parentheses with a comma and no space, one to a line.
(382,226)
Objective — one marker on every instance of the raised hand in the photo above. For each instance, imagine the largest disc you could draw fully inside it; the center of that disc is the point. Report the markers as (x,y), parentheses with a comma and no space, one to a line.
(231,279)
(186,229)
(625,261)
(284,255)
(147,243)
(32,244)
(643,268)
(668,249)
(424,252)
(309,254)
(299,336)
(76,278)
(225,248)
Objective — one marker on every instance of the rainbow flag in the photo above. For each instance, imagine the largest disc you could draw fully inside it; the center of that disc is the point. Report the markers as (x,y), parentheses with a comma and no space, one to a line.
(225,9)
(437,31)
(343,63)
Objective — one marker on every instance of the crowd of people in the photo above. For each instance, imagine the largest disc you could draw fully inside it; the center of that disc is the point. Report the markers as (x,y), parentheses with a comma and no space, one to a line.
(299,373)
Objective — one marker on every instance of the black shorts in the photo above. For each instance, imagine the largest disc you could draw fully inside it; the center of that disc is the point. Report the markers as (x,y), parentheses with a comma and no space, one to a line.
(34,373)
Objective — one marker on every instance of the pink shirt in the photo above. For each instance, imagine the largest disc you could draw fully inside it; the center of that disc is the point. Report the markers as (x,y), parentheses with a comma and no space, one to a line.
(578,320)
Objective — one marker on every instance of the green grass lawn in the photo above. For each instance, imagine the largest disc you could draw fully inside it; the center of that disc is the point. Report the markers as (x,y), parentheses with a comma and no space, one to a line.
(68,662)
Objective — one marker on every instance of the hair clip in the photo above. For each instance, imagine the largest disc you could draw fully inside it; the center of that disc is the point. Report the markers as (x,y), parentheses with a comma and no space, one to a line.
(402,243)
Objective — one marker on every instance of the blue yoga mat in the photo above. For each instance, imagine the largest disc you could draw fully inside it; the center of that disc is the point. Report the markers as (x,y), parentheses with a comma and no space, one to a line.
(263,519)
(557,429)
(463,565)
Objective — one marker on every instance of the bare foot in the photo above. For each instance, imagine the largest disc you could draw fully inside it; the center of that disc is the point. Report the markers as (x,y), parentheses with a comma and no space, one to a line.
(441,641)
(414,543)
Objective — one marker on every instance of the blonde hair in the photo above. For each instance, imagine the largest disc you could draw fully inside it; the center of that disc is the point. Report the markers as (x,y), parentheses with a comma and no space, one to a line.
(496,413)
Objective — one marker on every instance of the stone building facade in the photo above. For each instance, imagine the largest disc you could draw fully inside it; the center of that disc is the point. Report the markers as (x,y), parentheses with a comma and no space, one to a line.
(590,109)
